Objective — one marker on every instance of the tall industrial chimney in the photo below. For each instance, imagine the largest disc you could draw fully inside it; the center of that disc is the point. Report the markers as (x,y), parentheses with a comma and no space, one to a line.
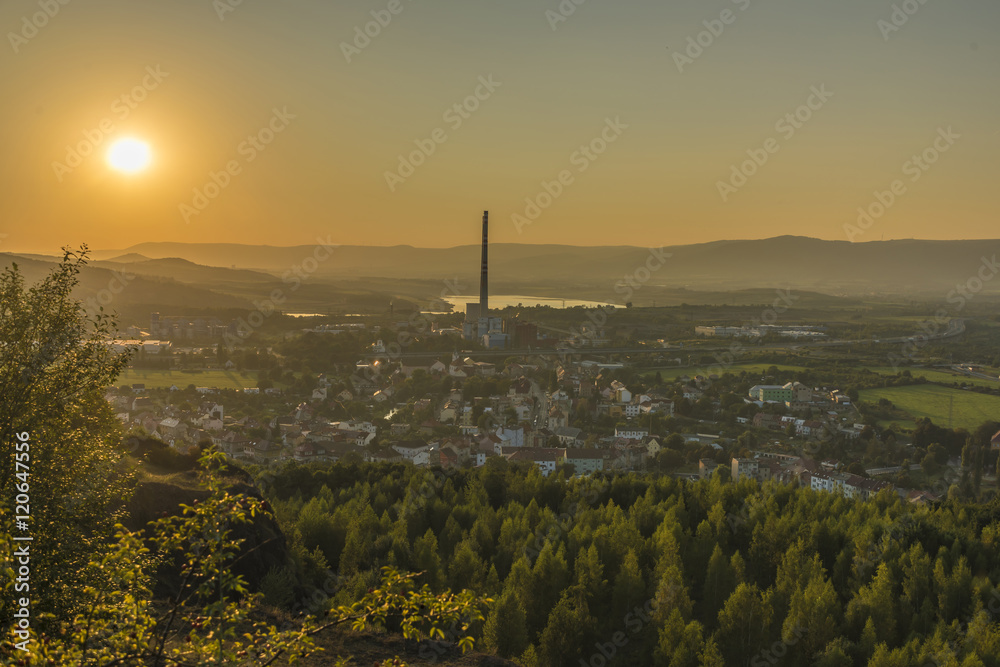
(484,279)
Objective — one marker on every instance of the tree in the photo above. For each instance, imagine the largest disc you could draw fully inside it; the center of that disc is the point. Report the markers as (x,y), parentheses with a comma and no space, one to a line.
(678,645)
(744,622)
(485,423)
(121,624)
(720,580)
(630,588)
(54,366)
(812,618)
(467,570)
(589,574)
(876,603)
(427,560)
(568,632)
(836,654)
(929,465)
(549,578)
(977,470)
(669,459)
(209,619)
(674,441)
(711,656)
(506,631)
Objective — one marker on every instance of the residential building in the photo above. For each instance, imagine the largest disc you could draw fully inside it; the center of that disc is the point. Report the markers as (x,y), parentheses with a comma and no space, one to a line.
(772,393)
(706,467)
(545,458)
(742,468)
(569,436)
(511,437)
(557,418)
(409,449)
(586,461)
(631,433)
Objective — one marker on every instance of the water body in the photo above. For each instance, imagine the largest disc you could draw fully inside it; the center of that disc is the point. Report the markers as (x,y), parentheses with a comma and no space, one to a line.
(501,301)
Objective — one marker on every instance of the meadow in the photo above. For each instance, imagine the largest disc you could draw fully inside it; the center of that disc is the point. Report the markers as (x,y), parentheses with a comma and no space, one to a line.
(160,379)
(937,375)
(966,409)
(673,372)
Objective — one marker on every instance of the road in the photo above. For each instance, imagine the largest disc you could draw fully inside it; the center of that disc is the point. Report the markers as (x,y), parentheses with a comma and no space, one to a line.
(541,418)
(975,374)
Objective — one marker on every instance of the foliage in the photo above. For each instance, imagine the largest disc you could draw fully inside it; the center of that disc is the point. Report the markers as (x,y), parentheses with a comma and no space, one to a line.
(210,618)
(213,619)
(92,581)
(728,570)
(417,612)
(54,366)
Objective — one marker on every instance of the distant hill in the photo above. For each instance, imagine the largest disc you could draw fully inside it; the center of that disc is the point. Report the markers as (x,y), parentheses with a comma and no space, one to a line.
(130,257)
(181,287)
(832,267)
(183,270)
(139,291)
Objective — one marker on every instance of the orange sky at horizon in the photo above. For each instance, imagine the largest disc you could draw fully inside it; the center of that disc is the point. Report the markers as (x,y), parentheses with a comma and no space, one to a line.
(275,125)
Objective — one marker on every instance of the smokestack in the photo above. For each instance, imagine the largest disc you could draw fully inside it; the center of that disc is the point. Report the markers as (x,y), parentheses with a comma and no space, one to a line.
(484,279)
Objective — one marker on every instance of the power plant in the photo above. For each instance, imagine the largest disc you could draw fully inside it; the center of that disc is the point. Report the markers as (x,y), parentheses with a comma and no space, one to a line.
(484,296)
(479,325)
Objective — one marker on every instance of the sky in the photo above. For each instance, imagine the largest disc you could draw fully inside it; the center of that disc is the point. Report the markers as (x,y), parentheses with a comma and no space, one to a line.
(601,123)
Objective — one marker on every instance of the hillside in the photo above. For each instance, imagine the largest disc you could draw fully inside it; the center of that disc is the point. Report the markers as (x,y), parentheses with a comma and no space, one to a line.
(129,288)
(183,270)
(197,278)
(901,267)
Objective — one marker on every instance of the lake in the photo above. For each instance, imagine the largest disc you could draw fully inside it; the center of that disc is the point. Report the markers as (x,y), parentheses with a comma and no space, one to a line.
(501,301)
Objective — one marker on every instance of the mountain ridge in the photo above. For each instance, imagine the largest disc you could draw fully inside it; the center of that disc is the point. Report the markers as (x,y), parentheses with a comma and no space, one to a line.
(836,266)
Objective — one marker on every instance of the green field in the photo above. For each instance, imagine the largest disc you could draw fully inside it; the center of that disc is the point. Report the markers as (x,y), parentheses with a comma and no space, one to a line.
(165,379)
(672,372)
(968,409)
(936,375)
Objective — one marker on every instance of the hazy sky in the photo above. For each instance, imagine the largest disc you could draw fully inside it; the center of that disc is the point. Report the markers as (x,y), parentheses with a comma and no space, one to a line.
(201,77)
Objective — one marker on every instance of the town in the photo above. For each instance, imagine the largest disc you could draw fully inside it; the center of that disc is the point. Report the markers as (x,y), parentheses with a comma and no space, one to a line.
(581,416)
(577,401)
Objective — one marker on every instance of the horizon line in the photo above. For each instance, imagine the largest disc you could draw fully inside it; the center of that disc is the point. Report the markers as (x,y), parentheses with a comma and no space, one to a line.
(131,248)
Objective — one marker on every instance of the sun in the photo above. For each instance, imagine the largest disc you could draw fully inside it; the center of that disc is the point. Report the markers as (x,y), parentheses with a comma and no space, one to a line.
(129,155)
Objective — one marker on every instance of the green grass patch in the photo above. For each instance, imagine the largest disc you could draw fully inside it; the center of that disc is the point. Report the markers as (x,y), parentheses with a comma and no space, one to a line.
(216,379)
(968,409)
(937,375)
(672,372)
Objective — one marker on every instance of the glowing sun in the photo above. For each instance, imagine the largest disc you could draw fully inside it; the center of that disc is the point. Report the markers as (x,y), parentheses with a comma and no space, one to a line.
(129,155)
